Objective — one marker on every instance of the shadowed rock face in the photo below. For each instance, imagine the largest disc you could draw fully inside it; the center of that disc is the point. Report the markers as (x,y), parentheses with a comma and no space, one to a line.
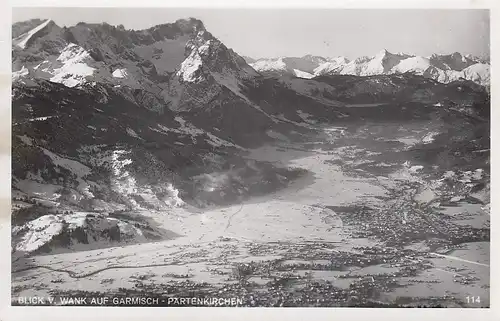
(455,61)
(118,38)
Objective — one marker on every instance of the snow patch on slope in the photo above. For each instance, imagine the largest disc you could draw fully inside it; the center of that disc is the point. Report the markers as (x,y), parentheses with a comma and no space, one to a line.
(76,231)
(132,133)
(271,64)
(189,69)
(20,73)
(23,39)
(125,184)
(74,69)
(120,73)
(302,74)
(122,181)
(76,168)
(417,65)
(39,232)
(172,198)
(429,138)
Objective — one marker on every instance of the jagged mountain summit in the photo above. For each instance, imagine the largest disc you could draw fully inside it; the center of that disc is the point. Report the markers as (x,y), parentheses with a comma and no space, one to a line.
(159,60)
(443,68)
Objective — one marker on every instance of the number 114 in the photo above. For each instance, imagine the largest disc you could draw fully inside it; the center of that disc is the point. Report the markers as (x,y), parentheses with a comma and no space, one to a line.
(473,299)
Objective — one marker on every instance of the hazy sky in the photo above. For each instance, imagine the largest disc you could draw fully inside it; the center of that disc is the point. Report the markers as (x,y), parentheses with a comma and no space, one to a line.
(297,32)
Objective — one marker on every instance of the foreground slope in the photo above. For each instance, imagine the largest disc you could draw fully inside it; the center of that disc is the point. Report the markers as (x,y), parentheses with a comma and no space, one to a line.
(371,225)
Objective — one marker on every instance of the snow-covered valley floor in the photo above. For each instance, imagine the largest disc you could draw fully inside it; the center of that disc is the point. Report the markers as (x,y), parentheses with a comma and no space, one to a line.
(340,236)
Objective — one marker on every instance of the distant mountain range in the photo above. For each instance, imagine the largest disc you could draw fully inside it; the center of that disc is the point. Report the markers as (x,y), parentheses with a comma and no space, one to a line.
(443,68)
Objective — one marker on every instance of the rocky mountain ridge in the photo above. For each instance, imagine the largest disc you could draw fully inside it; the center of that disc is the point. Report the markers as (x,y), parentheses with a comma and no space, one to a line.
(443,68)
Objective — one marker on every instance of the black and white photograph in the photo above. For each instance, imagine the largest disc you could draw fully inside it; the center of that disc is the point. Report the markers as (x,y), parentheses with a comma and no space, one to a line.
(226,157)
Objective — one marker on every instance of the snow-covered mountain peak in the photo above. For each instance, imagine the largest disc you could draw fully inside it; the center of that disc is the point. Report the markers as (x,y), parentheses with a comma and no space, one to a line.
(483,60)
(269,64)
(381,63)
(381,54)
(75,67)
(417,65)
(331,65)
(386,57)
(315,59)
(361,59)
(443,68)
(339,59)
(72,53)
(303,67)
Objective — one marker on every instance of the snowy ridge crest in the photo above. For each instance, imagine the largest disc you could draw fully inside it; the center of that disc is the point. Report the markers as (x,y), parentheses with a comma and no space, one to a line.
(443,68)
(173,63)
